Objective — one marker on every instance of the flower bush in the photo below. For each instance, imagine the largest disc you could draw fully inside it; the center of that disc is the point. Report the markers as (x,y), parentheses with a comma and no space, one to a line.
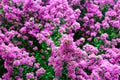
(59,39)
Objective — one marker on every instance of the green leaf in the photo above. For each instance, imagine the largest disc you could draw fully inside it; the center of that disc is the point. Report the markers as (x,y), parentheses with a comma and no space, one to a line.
(44,46)
(97,19)
(83,12)
(40,26)
(95,40)
(105,9)
(77,68)
(32,79)
(62,21)
(1,10)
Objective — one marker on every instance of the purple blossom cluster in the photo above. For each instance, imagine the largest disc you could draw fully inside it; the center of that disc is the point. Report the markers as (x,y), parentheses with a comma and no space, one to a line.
(59,39)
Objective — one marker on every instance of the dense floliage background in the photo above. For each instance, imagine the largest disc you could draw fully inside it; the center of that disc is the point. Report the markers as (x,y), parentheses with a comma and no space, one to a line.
(60,39)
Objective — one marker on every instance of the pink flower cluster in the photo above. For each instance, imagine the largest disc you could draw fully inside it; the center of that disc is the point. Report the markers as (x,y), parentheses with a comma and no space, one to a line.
(60,39)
